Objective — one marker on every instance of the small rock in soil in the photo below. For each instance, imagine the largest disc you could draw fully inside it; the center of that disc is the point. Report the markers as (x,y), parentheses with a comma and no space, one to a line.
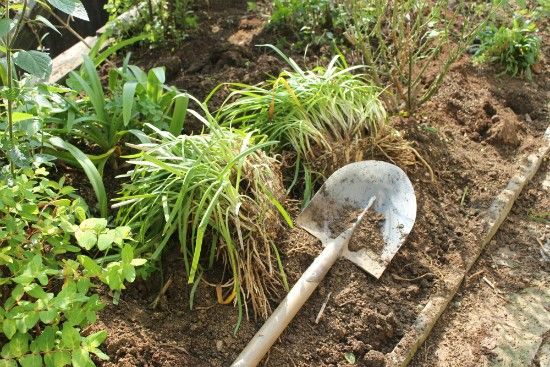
(374,358)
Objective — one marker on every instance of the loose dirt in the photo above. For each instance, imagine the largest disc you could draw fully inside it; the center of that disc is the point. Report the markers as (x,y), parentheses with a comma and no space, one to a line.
(368,234)
(500,316)
(458,135)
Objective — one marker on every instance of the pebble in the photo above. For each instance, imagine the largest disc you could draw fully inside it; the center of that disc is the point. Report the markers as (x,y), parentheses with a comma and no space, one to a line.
(219,345)
(495,119)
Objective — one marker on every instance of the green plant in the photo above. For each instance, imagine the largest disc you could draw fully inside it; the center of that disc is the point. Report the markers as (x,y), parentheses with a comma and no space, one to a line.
(221,195)
(161,20)
(411,44)
(35,63)
(516,49)
(408,46)
(309,20)
(132,97)
(46,278)
(103,118)
(309,112)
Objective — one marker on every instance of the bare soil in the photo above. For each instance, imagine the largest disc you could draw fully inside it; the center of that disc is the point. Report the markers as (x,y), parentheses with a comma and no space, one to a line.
(367,235)
(472,152)
(483,326)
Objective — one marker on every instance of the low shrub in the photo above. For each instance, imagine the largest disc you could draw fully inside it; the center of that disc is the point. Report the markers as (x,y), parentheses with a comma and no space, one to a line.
(48,274)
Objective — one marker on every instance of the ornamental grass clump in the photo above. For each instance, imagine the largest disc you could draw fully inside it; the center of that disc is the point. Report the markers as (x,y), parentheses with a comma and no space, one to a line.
(221,195)
(324,117)
(308,111)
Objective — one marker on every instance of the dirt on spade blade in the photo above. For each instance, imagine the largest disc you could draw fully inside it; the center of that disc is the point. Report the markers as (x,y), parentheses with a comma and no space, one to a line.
(472,134)
(368,234)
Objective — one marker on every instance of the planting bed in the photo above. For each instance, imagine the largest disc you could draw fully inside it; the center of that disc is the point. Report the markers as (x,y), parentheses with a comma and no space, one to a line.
(472,134)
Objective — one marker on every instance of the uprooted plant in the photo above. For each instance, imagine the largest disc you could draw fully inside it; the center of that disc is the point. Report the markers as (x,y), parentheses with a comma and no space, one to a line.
(220,194)
(327,116)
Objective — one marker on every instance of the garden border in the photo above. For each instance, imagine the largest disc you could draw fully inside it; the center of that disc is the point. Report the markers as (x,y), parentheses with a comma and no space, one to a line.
(407,347)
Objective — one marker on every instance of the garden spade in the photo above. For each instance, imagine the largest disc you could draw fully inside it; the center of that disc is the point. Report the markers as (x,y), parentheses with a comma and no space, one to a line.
(350,196)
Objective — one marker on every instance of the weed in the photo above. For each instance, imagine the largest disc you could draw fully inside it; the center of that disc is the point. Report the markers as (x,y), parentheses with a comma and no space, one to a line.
(46,300)
(515,49)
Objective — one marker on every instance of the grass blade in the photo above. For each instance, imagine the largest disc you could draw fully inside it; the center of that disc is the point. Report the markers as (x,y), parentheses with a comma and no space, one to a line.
(91,172)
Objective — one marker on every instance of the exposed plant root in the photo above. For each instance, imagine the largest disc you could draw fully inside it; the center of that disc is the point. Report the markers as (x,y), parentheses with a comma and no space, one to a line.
(257,269)
(386,142)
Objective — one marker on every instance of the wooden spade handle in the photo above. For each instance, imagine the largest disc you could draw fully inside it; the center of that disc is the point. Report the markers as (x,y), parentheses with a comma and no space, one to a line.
(293,302)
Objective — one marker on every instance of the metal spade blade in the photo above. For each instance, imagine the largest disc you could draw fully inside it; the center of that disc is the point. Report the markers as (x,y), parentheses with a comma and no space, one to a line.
(349,190)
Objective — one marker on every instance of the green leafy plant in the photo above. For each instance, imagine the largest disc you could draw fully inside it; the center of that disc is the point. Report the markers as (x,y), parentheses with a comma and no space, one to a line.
(161,20)
(309,21)
(310,112)
(515,49)
(46,278)
(221,195)
(102,117)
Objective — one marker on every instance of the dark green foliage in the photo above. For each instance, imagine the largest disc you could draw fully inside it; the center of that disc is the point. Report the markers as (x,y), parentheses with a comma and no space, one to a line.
(161,20)
(309,20)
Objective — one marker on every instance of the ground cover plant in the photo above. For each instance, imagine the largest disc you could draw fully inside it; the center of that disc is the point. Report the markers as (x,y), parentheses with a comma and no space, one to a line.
(48,275)
(221,196)
(515,48)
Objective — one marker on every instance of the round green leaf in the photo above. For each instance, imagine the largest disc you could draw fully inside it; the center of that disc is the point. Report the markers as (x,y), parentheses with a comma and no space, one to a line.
(9,328)
(105,240)
(31,360)
(86,239)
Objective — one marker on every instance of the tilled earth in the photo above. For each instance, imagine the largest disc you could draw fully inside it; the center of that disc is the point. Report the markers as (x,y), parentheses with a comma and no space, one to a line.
(472,134)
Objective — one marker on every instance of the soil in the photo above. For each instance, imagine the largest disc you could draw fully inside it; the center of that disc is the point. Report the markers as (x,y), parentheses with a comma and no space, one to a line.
(472,134)
(368,234)
(515,265)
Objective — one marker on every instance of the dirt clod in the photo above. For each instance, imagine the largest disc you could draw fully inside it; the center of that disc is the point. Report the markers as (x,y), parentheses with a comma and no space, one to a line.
(374,358)
(367,235)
